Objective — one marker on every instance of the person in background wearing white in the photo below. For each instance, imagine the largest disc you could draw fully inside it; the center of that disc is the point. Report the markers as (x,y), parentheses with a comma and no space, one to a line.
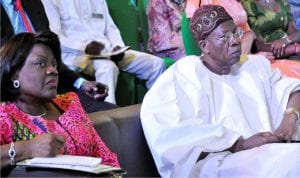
(86,27)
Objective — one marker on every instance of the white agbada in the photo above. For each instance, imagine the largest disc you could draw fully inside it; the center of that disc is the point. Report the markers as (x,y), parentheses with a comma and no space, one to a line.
(79,22)
(190,109)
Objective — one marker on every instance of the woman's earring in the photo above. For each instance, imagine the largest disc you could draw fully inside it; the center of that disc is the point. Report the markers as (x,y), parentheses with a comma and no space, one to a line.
(16,83)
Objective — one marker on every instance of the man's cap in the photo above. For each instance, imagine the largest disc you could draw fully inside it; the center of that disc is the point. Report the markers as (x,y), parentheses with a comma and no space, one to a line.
(206,19)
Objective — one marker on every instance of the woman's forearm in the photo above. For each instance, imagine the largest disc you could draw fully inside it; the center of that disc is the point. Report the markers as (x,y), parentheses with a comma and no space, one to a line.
(21,151)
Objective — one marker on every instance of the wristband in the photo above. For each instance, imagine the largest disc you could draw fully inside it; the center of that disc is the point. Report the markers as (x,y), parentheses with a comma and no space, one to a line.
(12,153)
(293,111)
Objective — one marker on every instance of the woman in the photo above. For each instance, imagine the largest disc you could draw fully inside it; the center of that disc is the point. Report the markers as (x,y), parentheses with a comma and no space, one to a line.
(164,21)
(274,27)
(35,121)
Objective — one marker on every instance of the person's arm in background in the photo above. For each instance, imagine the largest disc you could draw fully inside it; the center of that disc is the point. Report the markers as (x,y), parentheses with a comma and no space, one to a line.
(111,30)
(70,81)
(247,39)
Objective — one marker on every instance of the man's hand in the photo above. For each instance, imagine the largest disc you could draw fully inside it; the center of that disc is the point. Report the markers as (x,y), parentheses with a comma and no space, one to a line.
(256,140)
(287,127)
(94,48)
(98,91)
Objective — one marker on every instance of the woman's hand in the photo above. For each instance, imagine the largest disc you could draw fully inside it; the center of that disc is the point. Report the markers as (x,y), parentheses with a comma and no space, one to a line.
(278,47)
(256,140)
(47,145)
(287,127)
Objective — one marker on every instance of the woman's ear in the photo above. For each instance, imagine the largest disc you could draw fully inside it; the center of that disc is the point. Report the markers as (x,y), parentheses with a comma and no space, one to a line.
(15,76)
(204,46)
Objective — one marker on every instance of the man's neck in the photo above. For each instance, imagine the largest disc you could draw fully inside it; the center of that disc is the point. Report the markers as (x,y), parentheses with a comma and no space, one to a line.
(214,67)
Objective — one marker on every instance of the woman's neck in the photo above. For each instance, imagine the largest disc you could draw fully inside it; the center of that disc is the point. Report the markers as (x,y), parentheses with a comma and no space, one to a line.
(34,108)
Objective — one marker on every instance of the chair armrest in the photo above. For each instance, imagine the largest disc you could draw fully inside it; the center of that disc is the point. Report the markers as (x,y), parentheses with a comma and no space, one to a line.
(122,132)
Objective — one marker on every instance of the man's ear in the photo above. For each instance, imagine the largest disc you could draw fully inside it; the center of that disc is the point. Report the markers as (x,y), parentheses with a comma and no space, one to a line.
(204,46)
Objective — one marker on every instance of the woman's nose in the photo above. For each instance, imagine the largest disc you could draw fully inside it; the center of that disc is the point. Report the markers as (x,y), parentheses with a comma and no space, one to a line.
(51,69)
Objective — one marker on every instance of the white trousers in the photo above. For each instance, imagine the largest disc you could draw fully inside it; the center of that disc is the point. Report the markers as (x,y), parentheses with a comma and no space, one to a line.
(277,160)
(145,66)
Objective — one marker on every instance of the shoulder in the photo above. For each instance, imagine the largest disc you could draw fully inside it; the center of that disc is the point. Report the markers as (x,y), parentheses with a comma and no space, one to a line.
(66,100)
(258,65)
(6,123)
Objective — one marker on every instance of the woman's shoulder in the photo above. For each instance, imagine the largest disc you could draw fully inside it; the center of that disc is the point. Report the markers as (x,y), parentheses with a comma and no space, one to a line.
(6,109)
(67,99)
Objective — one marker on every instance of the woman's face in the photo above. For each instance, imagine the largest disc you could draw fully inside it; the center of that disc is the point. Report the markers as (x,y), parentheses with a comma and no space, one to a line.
(38,77)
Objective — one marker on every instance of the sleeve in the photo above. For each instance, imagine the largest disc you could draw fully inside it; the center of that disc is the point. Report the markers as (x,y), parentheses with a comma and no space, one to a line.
(177,122)
(101,150)
(255,19)
(287,6)
(111,30)
(165,26)
(67,78)
(6,127)
(68,43)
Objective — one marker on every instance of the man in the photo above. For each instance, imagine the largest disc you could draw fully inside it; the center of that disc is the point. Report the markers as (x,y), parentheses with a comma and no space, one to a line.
(86,27)
(13,22)
(219,117)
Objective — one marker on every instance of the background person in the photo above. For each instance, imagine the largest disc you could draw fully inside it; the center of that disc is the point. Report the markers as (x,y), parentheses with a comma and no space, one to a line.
(274,27)
(164,21)
(35,121)
(221,111)
(85,26)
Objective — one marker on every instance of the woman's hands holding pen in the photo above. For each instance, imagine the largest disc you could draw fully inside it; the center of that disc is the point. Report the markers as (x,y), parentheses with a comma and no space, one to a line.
(47,145)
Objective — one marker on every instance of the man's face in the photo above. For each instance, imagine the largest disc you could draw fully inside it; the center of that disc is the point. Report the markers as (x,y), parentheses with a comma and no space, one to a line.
(224,44)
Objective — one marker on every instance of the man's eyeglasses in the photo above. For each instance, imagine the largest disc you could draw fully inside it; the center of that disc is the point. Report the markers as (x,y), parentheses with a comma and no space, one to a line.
(228,35)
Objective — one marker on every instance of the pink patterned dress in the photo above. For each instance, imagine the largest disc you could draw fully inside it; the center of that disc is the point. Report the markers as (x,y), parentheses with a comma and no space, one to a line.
(164,21)
(74,124)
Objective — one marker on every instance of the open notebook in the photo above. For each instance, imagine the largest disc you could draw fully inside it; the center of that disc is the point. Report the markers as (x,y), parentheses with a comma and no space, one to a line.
(109,54)
(70,162)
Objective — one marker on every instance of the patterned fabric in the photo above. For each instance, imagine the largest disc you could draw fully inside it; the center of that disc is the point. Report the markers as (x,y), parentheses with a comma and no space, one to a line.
(206,19)
(164,21)
(74,124)
(267,24)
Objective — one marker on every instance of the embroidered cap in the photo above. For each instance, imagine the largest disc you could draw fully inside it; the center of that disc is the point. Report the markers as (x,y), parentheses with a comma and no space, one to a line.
(206,19)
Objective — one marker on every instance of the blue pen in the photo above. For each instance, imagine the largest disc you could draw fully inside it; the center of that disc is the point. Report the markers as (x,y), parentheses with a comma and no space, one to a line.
(37,123)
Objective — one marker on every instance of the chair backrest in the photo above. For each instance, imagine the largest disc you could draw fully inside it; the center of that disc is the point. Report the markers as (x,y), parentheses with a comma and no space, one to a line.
(190,45)
(124,14)
(143,21)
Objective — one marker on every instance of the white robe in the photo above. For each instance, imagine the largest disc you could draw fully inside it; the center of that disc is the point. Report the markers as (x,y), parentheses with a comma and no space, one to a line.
(190,109)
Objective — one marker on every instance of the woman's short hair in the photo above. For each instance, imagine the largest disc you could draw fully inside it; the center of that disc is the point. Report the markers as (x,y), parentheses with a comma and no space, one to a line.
(14,54)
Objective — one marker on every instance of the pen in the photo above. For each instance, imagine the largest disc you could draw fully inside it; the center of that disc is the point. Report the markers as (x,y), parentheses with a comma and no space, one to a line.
(37,123)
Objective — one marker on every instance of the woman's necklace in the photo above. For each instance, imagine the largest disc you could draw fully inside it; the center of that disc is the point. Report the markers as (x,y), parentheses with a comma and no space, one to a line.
(41,115)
